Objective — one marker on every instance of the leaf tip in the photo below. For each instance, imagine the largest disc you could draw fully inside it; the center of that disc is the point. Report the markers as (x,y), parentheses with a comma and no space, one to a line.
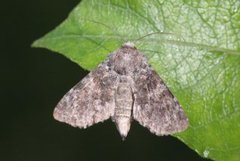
(35,44)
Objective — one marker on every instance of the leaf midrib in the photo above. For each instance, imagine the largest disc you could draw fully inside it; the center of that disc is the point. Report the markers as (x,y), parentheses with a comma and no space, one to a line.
(174,42)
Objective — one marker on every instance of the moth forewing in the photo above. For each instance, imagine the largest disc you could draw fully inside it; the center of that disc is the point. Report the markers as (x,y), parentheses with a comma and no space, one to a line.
(90,101)
(157,109)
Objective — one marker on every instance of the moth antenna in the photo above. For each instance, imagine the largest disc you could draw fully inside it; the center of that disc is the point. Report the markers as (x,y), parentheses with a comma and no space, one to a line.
(153,33)
(118,36)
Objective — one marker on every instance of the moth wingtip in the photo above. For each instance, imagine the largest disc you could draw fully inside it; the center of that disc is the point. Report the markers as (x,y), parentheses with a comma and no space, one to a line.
(186,124)
(55,114)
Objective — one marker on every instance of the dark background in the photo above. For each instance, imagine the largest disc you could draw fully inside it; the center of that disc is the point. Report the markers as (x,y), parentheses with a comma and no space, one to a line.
(33,80)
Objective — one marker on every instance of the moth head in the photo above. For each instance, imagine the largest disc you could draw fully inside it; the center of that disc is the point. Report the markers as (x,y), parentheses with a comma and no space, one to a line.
(129,45)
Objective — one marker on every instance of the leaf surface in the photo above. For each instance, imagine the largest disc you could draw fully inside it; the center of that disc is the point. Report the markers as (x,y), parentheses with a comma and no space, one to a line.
(194,45)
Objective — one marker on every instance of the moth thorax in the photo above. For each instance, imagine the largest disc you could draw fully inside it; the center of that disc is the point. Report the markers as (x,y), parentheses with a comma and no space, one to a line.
(123,108)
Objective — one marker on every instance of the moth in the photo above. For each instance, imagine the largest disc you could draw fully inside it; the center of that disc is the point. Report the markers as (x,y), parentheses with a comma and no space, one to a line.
(124,88)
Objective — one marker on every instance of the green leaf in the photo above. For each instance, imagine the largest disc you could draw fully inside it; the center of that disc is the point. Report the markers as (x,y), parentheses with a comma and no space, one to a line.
(195,49)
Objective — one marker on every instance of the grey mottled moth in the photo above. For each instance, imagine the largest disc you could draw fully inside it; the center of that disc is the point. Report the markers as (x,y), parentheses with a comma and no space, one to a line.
(123,87)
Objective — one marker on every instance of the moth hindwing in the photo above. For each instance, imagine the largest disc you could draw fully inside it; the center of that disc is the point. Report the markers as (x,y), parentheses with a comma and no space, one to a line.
(123,87)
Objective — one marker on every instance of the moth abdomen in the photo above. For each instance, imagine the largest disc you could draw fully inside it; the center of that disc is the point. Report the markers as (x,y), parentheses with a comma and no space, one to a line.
(123,112)
(123,108)
(123,96)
